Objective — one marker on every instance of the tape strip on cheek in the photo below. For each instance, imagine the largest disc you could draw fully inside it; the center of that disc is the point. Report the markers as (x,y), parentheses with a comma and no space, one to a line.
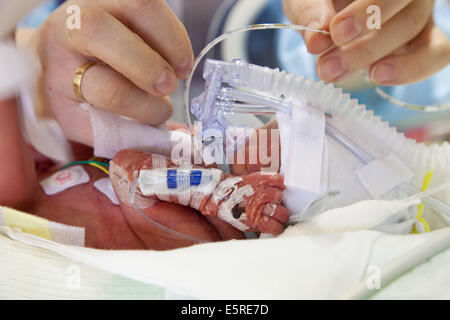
(225,209)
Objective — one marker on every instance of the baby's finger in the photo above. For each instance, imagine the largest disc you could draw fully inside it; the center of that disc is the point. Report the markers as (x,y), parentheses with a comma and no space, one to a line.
(405,26)
(103,36)
(268,225)
(420,59)
(277,212)
(107,89)
(315,14)
(351,22)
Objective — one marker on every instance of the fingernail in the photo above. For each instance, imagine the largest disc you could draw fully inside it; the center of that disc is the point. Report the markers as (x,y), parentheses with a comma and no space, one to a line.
(315,24)
(345,31)
(166,83)
(319,43)
(382,73)
(331,69)
(183,69)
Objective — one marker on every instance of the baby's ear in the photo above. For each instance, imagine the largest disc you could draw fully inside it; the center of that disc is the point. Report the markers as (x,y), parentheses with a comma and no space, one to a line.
(18,181)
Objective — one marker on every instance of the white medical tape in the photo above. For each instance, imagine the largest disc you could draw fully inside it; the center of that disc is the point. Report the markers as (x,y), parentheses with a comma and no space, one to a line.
(155,182)
(196,200)
(225,188)
(204,190)
(64,179)
(304,148)
(104,186)
(270,209)
(160,162)
(113,133)
(184,185)
(225,209)
(382,175)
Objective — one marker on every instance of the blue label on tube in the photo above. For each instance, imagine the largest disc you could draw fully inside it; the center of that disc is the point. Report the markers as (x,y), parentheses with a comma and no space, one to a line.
(172,179)
(196,177)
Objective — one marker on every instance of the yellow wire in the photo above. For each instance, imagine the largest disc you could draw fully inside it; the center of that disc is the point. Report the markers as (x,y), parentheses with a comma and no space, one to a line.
(99,167)
(420,207)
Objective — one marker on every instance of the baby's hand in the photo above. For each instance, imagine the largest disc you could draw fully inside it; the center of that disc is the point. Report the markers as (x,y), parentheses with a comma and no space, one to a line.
(256,202)
(406,49)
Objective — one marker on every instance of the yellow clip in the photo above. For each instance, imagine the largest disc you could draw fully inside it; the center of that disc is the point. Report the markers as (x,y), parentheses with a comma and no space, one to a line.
(420,207)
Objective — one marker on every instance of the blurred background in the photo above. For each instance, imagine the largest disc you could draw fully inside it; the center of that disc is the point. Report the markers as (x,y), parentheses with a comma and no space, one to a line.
(285,49)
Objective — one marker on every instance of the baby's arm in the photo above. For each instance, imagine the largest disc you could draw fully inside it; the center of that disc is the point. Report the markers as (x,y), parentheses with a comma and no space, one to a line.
(17,172)
(216,194)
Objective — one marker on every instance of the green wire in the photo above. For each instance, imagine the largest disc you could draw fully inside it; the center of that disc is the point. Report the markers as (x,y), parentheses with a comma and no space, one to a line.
(85,162)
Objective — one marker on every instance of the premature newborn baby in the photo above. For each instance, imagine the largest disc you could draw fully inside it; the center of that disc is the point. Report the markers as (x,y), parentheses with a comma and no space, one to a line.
(81,195)
(111,226)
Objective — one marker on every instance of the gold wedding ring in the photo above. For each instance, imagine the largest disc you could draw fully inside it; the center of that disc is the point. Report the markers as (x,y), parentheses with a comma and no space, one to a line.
(79,74)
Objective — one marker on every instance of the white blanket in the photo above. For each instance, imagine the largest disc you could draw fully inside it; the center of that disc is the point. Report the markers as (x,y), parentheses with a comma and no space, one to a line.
(323,266)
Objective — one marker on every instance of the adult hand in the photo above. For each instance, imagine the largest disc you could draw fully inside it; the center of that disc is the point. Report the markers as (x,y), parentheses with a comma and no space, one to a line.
(141,46)
(408,48)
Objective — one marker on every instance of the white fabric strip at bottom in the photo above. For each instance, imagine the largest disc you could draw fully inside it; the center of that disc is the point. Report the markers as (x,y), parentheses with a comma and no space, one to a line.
(65,234)
(323,266)
(60,233)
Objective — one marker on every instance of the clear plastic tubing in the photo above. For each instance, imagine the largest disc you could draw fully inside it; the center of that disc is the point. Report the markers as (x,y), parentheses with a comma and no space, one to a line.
(432,202)
(229,106)
(223,37)
(271,106)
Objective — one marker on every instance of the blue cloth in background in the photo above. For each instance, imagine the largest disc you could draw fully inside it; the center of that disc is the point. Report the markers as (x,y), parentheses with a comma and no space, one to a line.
(293,57)
(38,15)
